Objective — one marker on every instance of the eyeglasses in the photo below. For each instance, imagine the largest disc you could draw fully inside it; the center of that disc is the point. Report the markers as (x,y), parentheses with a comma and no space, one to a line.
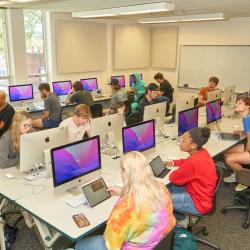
(185,141)
(26,126)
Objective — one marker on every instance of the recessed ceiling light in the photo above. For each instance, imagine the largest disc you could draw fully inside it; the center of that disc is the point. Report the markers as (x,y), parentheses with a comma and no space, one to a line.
(126,10)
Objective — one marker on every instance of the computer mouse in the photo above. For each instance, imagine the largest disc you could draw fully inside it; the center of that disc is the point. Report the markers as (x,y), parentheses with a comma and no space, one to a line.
(9,176)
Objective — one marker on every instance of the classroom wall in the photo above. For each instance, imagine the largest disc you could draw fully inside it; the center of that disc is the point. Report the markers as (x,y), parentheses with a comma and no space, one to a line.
(231,32)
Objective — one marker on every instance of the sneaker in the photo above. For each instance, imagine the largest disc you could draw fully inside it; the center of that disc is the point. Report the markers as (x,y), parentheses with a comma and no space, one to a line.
(240,187)
(230,179)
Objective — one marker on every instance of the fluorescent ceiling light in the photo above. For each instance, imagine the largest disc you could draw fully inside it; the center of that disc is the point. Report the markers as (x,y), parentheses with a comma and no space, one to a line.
(3,3)
(22,1)
(126,10)
(187,18)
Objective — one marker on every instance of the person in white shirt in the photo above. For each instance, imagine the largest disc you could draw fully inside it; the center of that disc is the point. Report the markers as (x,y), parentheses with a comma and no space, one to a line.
(78,124)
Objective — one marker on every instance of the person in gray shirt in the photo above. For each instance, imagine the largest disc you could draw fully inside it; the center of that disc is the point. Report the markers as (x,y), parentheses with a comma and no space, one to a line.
(118,94)
(79,96)
(51,117)
(10,141)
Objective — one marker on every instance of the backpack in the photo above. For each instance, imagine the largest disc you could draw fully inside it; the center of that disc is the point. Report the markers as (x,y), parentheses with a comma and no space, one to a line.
(184,240)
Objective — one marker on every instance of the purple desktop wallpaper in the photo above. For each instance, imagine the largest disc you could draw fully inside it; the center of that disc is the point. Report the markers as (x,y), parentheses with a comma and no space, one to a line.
(213,110)
(18,93)
(62,88)
(138,138)
(121,80)
(89,84)
(130,79)
(76,160)
(187,120)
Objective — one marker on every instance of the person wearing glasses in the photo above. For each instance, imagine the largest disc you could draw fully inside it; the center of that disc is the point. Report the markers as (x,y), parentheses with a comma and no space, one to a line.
(193,183)
(10,141)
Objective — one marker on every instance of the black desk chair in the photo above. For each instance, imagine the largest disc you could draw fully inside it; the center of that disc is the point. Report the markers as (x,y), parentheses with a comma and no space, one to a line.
(127,107)
(96,110)
(167,242)
(203,229)
(242,199)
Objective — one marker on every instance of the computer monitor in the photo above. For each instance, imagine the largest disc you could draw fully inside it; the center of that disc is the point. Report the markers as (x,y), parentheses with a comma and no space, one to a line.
(89,84)
(20,92)
(62,87)
(241,95)
(108,127)
(76,163)
(32,146)
(121,80)
(213,111)
(183,103)
(228,96)
(213,95)
(188,119)
(139,137)
(131,79)
(155,111)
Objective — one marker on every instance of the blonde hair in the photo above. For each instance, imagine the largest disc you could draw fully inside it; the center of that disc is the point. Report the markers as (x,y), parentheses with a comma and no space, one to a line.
(140,183)
(18,118)
(82,110)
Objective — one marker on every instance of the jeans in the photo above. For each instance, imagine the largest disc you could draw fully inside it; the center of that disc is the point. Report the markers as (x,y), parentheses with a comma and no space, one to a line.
(91,243)
(182,201)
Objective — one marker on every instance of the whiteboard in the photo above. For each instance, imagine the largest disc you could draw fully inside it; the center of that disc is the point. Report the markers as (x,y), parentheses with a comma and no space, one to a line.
(230,63)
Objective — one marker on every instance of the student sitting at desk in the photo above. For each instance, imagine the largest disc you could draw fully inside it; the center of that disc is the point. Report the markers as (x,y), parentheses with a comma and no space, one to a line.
(6,113)
(212,85)
(117,108)
(79,96)
(142,216)
(149,98)
(51,117)
(138,86)
(118,94)
(78,124)
(10,141)
(193,183)
(240,154)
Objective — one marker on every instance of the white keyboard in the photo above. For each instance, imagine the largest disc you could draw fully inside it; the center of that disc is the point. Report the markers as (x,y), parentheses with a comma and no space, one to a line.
(35,176)
(77,201)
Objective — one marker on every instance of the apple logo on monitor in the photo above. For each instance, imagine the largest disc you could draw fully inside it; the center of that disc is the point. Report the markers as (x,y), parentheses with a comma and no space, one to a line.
(47,140)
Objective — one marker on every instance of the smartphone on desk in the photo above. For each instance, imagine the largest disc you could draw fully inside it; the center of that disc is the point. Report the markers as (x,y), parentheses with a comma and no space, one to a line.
(81,220)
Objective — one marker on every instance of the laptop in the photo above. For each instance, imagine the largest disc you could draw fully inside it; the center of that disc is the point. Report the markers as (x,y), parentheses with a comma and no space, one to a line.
(97,93)
(158,167)
(62,98)
(230,136)
(35,106)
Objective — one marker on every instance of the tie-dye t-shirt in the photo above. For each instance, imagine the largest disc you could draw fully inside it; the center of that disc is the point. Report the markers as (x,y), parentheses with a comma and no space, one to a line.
(128,230)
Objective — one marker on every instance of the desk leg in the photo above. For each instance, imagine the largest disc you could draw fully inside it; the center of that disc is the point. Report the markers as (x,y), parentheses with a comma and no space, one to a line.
(45,234)
(2,222)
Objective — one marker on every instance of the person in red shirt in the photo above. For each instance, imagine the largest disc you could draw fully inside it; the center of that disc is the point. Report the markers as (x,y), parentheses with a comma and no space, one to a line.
(193,183)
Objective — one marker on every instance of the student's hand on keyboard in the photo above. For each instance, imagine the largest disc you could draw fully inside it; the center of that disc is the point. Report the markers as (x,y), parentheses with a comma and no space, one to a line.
(114,190)
(168,163)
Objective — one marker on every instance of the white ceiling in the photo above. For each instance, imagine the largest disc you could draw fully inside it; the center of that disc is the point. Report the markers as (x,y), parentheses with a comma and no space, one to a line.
(231,8)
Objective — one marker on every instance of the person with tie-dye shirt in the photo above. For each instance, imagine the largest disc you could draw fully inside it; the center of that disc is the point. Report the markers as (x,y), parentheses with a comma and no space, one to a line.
(143,215)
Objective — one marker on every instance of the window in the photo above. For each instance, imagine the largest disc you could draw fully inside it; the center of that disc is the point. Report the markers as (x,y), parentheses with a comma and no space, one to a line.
(35,47)
(4,64)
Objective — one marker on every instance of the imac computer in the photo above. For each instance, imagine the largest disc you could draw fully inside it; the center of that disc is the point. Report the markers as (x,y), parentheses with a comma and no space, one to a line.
(214,95)
(38,142)
(241,95)
(213,111)
(228,96)
(139,137)
(131,79)
(183,104)
(109,128)
(89,84)
(20,92)
(188,119)
(121,80)
(62,87)
(76,164)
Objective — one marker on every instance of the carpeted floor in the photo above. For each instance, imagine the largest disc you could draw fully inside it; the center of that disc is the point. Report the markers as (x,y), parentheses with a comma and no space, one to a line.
(225,230)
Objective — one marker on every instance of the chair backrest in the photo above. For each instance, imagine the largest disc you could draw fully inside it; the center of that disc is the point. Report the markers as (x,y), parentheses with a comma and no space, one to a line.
(243,176)
(167,242)
(127,107)
(96,110)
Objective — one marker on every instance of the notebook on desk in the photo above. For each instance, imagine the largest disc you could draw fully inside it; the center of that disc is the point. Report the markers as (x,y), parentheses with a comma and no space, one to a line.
(230,136)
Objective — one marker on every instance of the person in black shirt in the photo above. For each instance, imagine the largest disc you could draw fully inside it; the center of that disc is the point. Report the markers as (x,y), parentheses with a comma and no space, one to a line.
(6,113)
(166,91)
(149,98)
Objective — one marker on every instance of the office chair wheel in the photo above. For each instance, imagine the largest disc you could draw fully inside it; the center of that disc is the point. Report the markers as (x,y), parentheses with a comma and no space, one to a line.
(205,232)
(223,210)
(245,225)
